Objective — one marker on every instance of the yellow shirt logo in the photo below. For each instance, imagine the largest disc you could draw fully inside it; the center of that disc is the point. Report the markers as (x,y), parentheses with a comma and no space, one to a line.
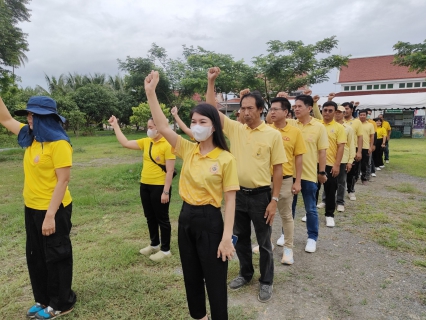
(37,159)
(214,169)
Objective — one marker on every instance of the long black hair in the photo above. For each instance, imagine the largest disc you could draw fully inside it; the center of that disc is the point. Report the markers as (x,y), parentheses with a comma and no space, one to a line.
(211,112)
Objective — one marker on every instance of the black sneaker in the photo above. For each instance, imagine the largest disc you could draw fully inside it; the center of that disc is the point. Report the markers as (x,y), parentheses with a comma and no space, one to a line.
(237,283)
(265,292)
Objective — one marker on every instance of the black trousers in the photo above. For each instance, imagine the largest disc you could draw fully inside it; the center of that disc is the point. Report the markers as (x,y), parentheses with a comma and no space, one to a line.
(157,214)
(49,259)
(251,209)
(353,176)
(330,189)
(365,165)
(378,153)
(199,235)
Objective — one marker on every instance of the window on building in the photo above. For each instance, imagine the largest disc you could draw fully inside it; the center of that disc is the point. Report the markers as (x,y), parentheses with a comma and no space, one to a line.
(390,86)
(359,87)
(423,84)
(376,86)
(402,85)
(353,88)
(382,86)
(409,85)
(416,84)
(346,88)
(369,86)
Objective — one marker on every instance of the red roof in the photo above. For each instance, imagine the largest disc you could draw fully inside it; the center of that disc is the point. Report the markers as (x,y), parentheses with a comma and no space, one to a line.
(375,68)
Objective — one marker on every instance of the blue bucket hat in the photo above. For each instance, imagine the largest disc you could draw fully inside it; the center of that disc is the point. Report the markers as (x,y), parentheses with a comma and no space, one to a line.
(41,105)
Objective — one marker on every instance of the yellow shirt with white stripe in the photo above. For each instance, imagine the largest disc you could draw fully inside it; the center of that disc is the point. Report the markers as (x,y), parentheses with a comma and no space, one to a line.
(204,178)
(336,135)
(293,145)
(255,150)
(315,137)
(160,152)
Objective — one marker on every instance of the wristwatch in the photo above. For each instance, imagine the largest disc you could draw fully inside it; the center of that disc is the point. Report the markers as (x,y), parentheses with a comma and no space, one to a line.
(166,193)
(323,173)
(275,198)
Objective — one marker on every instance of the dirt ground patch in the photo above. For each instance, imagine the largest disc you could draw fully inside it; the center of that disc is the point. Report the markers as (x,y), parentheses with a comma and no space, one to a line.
(350,276)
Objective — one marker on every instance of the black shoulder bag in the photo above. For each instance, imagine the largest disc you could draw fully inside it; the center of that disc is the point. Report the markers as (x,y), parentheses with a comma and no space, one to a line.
(162,166)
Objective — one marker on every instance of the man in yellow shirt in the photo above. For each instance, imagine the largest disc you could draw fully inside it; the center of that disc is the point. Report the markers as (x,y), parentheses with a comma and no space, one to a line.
(256,147)
(367,145)
(386,125)
(371,168)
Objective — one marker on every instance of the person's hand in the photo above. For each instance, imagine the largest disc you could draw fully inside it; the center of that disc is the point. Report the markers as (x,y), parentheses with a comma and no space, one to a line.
(335,171)
(316,98)
(113,121)
(348,167)
(370,150)
(151,81)
(270,212)
(226,249)
(48,227)
(164,198)
(331,96)
(322,178)
(295,189)
(373,149)
(352,102)
(213,73)
(307,92)
(244,92)
(174,111)
(383,145)
(358,156)
(282,94)
(356,104)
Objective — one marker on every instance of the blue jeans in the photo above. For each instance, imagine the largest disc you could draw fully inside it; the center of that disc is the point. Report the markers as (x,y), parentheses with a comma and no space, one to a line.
(309,190)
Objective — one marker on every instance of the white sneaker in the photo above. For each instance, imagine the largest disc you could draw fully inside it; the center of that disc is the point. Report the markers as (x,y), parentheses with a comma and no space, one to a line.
(321,205)
(311,246)
(387,161)
(304,218)
(329,222)
(280,241)
(287,256)
(381,167)
(352,196)
(373,175)
(378,169)
(340,208)
(255,249)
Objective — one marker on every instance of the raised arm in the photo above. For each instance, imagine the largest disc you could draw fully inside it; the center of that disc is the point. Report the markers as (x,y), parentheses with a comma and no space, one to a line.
(181,124)
(160,119)
(6,119)
(129,144)
(212,74)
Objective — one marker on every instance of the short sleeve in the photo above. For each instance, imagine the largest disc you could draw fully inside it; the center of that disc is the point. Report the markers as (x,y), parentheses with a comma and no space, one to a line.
(141,143)
(341,135)
(230,127)
(299,146)
(61,154)
(168,155)
(183,148)
(278,155)
(322,139)
(230,175)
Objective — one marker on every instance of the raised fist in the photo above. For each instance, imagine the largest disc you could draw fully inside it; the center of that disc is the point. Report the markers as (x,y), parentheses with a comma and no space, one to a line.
(213,73)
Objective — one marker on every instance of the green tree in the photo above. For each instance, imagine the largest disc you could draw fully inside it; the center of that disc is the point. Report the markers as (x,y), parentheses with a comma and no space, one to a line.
(410,55)
(75,120)
(142,113)
(290,65)
(96,101)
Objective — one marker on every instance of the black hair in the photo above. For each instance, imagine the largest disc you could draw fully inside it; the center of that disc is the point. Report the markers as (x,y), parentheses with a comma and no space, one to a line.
(377,119)
(285,104)
(362,111)
(368,109)
(211,112)
(348,104)
(307,100)
(330,103)
(260,103)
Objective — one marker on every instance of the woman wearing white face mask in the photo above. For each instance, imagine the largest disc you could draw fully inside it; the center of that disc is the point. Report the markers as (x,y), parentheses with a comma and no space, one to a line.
(155,187)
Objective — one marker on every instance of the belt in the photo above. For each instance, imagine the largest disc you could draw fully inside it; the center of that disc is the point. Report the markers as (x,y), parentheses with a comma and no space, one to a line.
(287,176)
(253,191)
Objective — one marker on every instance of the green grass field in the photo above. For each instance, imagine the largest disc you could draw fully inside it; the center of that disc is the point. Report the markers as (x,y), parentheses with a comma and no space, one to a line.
(111,278)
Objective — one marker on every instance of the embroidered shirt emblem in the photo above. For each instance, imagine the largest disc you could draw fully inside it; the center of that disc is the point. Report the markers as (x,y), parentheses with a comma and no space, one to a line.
(36,159)
(214,169)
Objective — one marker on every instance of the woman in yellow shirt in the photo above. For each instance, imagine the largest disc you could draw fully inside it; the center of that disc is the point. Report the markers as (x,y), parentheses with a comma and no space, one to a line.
(48,205)
(204,237)
(379,145)
(155,186)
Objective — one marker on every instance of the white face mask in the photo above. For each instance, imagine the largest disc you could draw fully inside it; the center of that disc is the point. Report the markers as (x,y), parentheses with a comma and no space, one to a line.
(201,133)
(368,116)
(152,133)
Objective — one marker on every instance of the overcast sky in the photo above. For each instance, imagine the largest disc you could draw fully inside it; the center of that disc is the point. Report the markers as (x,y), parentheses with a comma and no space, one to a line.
(88,36)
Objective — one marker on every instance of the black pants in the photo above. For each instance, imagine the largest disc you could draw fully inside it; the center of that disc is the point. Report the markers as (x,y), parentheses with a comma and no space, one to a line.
(365,162)
(251,208)
(352,176)
(330,189)
(199,235)
(378,153)
(49,259)
(157,214)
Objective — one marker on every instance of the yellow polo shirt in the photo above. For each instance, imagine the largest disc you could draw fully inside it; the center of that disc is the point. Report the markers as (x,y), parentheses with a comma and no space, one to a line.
(293,145)
(204,178)
(40,162)
(315,137)
(349,151)
(381,132)
(367,130)
(336,135)
(386,125)
(255,150)
(356,125)
(161,151)
(373,123)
